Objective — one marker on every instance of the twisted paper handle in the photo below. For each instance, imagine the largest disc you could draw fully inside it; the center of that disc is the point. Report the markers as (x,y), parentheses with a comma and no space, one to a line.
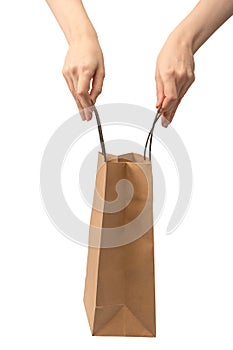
(148,140)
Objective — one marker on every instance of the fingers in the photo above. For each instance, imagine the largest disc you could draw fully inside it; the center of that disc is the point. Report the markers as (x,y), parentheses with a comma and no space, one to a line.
(83,68)
(159,91)
(97,84)
(171,95)
(170,91)
(171,101)
(174,74)
(166,97)
(79,86)
(167,117)
(72,90)
(83,82)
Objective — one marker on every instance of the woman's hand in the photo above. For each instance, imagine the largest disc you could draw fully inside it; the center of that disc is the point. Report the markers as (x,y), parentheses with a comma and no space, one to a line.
(175,63)
(174,75)
(84,73)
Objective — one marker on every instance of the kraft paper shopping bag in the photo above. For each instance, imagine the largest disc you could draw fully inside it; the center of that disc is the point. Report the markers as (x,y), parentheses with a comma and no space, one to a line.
(119,292)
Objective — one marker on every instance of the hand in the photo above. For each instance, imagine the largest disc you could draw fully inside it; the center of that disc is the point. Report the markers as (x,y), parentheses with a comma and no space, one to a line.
(174,76)
(84,73)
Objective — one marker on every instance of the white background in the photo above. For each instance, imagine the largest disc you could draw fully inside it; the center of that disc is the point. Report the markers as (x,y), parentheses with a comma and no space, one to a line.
(41,272)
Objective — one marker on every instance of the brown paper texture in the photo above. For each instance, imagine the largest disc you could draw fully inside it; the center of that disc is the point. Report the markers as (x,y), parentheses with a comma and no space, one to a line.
(119,292)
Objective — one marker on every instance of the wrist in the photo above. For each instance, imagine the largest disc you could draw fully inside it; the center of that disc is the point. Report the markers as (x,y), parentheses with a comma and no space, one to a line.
(183,39)
(86,34)
(190,39)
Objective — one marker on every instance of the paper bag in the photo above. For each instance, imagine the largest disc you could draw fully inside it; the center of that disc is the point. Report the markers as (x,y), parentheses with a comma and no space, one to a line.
(119,292)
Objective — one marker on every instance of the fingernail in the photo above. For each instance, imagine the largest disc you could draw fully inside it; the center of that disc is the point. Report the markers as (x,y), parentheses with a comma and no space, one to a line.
(89,116)
(165,122)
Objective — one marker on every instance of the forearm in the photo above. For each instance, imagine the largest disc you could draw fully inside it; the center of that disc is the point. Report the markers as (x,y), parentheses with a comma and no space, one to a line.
(202,22)
(72,18)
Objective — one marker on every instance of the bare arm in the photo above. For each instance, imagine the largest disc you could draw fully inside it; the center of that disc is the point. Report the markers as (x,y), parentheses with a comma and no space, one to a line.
(84,63)
(175,63)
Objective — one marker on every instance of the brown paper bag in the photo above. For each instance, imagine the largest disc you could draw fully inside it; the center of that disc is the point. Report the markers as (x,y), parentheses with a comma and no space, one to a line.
(119,289)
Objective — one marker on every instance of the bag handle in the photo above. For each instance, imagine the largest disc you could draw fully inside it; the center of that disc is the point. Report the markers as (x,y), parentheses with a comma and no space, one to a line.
(149,137)
(100,132)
